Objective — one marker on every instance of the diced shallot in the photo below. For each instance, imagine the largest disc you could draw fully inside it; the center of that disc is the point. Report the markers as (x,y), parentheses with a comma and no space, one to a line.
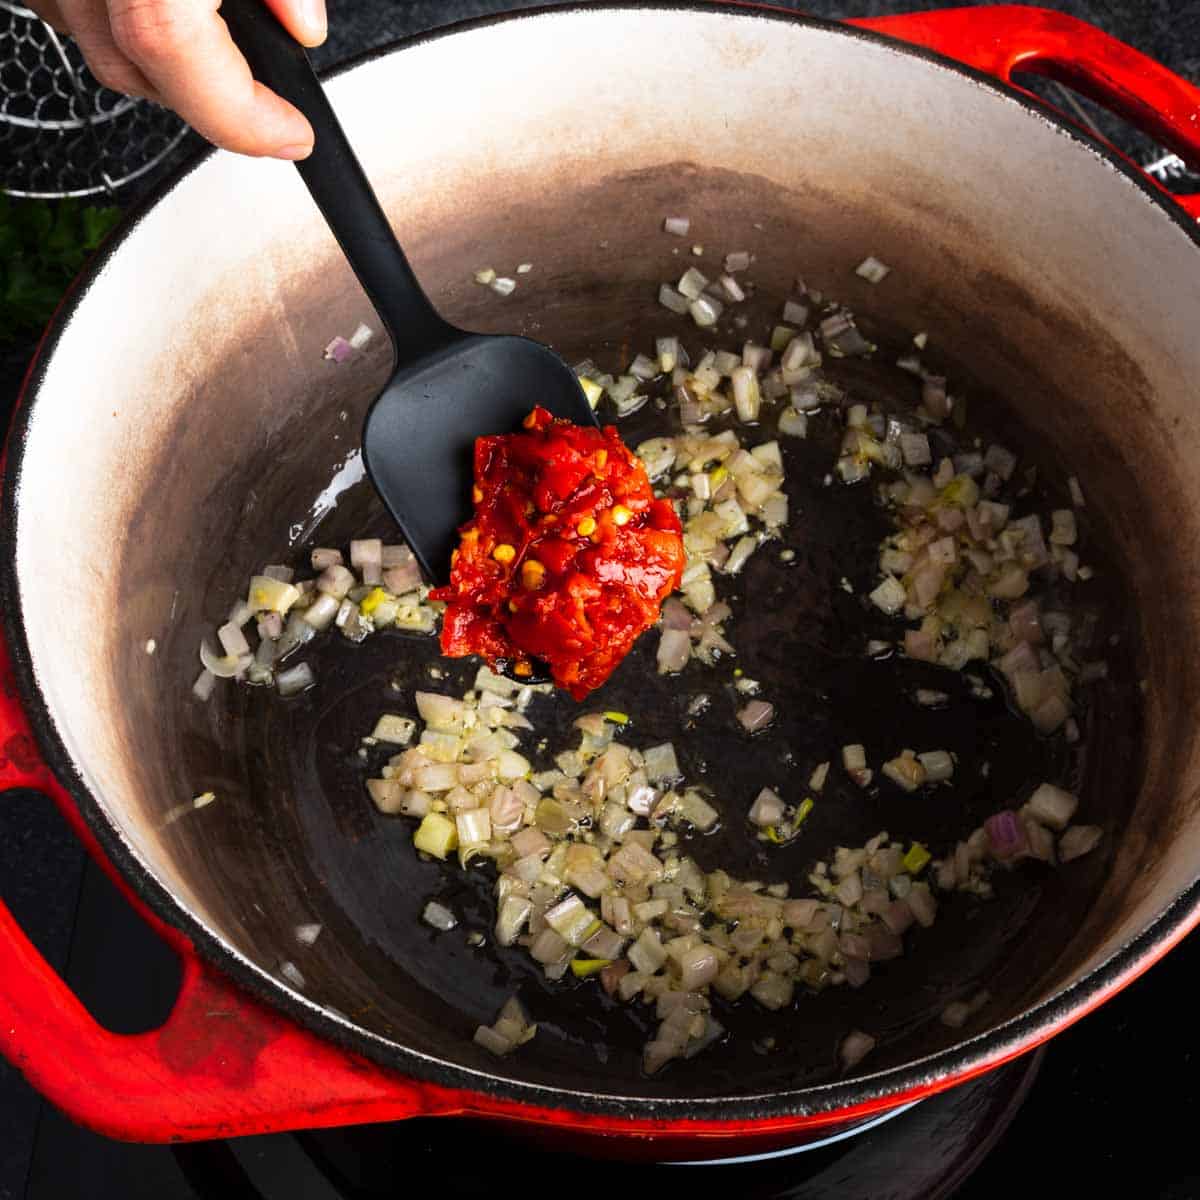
(674,650)
(854,1048)
(225,667)
(233,640)
(767,809)
(323,557)
(1006,834)
(202,689)
(1078,840)
(1052,806)
(872,270)
(307,934)
(668,297)
(439,916)
(698,967)
(757,715)
(295,680)
(706,311)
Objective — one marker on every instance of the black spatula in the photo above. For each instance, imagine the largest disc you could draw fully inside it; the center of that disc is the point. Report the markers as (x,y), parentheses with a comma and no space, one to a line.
(448,386)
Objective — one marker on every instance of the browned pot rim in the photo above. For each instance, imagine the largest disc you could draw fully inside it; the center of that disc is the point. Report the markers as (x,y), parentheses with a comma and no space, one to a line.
(956,1064)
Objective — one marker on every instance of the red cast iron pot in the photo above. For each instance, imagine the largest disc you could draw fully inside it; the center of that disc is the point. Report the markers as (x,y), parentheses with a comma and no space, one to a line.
(179,421)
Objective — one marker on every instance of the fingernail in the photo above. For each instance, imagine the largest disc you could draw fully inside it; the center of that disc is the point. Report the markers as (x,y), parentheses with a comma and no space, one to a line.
(292,153)
(312,13)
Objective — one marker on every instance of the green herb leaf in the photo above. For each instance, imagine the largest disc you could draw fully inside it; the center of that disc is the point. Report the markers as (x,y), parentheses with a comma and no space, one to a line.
(96,224)
(43,246)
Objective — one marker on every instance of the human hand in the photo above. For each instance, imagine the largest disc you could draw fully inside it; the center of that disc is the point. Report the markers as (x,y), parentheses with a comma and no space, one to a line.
(179,53)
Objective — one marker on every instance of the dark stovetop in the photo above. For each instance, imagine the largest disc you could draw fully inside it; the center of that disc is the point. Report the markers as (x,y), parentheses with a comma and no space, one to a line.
(1108,1114)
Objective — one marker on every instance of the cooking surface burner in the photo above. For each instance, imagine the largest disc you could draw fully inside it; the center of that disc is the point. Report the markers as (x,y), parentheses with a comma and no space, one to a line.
(1107,1110)
(922,1154)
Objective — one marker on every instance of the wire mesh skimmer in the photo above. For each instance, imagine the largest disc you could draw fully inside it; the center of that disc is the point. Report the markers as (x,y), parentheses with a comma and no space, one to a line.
(61,132)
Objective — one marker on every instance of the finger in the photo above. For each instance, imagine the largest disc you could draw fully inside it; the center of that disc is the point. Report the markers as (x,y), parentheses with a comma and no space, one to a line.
(87,21)
(305,20)
(49,12)
(184,49)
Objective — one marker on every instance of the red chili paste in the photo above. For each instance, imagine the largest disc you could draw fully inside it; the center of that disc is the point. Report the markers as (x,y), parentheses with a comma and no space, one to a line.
(568,557)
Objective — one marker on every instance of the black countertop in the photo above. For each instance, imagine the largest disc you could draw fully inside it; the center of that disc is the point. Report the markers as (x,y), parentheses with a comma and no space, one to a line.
(1111,1111)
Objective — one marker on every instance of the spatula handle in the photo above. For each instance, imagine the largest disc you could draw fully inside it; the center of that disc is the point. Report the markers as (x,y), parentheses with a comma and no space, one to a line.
(338,184)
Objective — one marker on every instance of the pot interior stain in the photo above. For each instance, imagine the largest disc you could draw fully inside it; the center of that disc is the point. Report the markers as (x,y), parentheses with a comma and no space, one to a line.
(800,628)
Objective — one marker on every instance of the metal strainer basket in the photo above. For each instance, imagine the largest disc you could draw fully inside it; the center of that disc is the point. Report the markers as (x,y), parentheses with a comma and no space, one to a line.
(61,132)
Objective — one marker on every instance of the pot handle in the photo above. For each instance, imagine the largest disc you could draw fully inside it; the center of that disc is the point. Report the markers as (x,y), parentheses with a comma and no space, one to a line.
(221,1065)
(1004,39)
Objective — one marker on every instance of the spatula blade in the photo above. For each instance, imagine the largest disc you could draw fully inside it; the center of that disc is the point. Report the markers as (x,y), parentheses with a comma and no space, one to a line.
(419,435)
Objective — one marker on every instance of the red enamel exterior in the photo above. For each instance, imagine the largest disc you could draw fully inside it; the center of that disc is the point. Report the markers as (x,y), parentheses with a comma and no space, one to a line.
(224,1065)
(1005,40)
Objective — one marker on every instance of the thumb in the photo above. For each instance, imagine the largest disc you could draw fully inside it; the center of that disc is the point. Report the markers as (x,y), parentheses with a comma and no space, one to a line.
(305,20)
